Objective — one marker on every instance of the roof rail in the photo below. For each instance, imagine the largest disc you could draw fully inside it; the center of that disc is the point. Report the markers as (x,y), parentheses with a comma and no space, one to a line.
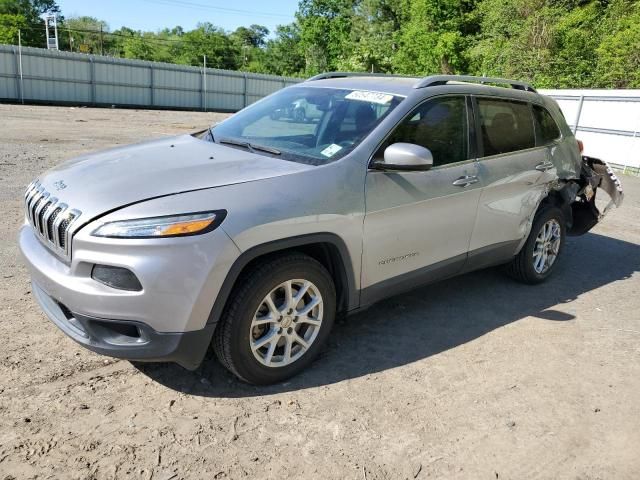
(435,80)
(432,80)
(323,76)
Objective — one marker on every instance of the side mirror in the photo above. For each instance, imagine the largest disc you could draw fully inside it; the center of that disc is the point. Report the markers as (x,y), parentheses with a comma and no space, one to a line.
(405,156)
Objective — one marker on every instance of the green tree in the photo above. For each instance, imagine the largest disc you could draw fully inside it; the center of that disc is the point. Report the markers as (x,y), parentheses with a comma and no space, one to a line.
(84,34)
(211,41)
(10,24)
(619,50)
(139,46)
(325,30)
(253,36)
(516,39)
(250,43)
(432,37)
(374,36)
(284,54)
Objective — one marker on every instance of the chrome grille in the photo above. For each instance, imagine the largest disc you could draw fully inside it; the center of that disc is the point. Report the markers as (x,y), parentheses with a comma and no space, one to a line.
(50,219)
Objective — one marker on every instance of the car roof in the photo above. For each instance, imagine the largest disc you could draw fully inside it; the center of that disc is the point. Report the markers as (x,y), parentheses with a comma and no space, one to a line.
(405,85)
(401,86)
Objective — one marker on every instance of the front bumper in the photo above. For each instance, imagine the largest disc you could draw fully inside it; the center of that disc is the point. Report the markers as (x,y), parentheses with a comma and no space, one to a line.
(129,340)
(168,320)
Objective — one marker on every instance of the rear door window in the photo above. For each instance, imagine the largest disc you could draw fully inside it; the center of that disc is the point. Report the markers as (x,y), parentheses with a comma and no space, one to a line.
(505,126)
(546,128)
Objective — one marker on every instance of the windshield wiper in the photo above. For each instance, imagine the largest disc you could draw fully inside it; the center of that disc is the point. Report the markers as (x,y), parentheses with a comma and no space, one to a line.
(265,149)
(237,143)
(249,146)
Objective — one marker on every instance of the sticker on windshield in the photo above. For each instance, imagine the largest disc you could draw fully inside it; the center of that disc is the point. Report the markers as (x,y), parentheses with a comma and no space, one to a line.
(372,97)
(331,150)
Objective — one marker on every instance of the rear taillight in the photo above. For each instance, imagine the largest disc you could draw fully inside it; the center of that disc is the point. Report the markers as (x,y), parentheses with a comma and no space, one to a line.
(580,145)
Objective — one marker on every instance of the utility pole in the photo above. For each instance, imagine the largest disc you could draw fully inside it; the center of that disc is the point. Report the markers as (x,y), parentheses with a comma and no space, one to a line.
(101,40)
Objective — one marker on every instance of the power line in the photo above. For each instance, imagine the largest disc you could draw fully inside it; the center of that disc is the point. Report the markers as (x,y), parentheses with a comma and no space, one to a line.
(36,26)
(225,53)
(234,11)
(135,35)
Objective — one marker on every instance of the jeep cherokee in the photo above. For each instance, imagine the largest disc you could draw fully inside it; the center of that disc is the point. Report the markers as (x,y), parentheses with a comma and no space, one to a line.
(252,235)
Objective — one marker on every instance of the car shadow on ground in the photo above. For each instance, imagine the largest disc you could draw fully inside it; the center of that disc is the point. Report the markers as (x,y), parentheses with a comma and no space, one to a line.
(429,320)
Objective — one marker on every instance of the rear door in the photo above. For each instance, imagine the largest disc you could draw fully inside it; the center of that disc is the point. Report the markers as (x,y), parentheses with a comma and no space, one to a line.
(514,171)
(418,225)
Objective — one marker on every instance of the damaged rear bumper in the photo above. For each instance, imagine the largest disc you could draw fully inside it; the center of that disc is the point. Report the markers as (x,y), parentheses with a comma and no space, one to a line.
(595,174)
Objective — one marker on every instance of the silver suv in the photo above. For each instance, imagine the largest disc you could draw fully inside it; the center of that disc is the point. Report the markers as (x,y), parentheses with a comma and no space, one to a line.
(251,236)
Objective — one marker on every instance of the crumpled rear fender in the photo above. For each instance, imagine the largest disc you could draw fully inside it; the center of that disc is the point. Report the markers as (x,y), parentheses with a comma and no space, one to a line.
(576,197)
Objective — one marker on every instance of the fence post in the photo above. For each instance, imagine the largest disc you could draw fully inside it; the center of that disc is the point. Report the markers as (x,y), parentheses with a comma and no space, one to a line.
(151,85)
(204,83)
(575,125)
(631,149)
(92,79)
(20,64)
(19,85)
(244,90)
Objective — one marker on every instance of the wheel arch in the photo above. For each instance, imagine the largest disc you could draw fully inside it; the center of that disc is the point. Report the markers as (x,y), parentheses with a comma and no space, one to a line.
(560,197)
(327,248)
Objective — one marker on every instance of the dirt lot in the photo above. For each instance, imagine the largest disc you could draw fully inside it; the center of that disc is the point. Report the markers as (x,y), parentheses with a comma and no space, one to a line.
(477,377)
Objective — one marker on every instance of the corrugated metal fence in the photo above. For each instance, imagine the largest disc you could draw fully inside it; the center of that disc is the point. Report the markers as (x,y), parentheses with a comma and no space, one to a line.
(607,121)
(39,75)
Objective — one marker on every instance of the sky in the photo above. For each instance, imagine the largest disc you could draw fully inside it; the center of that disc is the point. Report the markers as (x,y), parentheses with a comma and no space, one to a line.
(152,15)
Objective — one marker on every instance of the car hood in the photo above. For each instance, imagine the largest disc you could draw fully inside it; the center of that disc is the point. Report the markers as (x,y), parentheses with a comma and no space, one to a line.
(100,182)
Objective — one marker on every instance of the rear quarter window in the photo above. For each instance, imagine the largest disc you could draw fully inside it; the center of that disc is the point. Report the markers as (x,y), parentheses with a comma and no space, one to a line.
(546,127)
(505,126)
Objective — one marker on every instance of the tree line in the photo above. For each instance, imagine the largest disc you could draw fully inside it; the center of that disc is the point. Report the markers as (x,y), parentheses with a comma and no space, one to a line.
(551,43)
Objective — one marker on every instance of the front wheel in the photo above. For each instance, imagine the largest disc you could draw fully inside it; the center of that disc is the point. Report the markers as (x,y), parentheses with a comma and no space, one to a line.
(279,316)
(540,253)
(299,115)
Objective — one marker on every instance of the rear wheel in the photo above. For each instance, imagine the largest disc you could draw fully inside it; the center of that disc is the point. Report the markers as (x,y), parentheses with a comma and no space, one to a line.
(277,319)
(538,258)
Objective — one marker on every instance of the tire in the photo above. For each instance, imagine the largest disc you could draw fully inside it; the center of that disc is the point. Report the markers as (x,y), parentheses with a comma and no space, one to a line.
(299,115)
(248,320)
(525,267)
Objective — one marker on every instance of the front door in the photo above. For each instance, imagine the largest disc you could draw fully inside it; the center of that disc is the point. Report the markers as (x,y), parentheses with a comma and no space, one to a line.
(418,225)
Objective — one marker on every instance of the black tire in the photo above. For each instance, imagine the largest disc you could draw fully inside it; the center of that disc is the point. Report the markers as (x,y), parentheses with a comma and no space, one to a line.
(521,267)
(231,341)
(299,115)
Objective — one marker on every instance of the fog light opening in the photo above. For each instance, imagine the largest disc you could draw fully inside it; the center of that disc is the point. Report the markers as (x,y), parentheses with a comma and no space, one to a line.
(116,277)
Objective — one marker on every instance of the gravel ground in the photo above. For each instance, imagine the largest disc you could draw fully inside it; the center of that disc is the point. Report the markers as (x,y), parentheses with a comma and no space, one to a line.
(477,377)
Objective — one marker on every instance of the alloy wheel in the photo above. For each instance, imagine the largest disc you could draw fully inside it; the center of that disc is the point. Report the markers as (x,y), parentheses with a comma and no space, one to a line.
(286,323)
(547,246)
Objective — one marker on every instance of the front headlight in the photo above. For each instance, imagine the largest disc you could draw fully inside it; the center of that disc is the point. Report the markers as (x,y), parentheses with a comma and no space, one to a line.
(166,226)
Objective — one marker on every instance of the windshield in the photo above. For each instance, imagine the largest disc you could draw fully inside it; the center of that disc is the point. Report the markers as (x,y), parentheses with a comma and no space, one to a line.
(307,124)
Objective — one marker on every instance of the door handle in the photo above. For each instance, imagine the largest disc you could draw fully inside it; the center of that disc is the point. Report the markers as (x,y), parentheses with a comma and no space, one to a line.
(544,166)
(465,180)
